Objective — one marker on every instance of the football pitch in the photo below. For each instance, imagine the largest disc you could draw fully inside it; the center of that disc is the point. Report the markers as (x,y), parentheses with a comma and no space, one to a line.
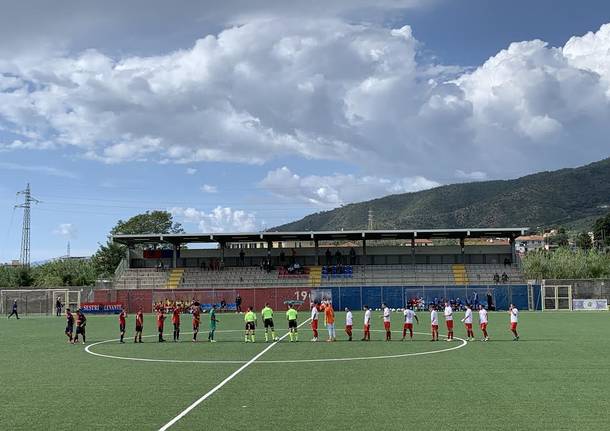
(556,377)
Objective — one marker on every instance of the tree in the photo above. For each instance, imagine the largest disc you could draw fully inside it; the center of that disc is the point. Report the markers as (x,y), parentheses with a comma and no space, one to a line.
(561,238)
(601,230)
(109,255)
(149,222)
(566,264)
(65,272)
(24,276)
(583,241)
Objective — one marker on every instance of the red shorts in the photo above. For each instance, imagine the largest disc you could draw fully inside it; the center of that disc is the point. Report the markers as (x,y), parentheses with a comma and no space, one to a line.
(483,326)
(348,328)
(367,328)
(449,324)
(314,324)
(435,328)
(386,325)
(468,326)
(408,326)
(513,326)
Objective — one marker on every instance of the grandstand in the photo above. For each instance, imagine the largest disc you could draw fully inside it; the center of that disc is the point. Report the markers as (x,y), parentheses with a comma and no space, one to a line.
(378,275)
(474,259)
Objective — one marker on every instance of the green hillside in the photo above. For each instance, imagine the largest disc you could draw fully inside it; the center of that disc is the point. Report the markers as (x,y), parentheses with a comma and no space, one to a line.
(563,197)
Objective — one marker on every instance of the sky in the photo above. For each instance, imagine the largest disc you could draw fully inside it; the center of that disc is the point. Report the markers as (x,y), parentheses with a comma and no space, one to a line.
(242,115)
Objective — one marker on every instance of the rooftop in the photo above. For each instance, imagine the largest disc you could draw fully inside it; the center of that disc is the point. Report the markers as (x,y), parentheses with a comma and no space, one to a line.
(352,235)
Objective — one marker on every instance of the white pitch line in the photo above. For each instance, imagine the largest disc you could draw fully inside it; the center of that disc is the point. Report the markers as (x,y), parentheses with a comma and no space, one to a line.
(224,382)
(282,361)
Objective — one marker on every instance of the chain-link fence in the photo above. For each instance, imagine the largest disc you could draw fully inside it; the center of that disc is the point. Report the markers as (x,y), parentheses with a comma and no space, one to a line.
(38,301)
(585,289)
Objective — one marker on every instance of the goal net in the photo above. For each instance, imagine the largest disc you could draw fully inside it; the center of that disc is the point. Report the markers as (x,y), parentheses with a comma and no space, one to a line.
(556,297)
(38,301)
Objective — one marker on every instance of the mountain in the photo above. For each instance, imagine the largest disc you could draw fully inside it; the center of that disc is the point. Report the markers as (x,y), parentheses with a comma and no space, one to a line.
(570,197)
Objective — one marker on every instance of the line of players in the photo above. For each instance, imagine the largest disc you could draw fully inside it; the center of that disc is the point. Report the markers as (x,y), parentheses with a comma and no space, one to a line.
(409,316)
(326,307)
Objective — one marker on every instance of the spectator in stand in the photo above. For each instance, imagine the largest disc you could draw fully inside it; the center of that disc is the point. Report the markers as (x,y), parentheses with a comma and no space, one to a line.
(496,278)
(328,257)
(458,304)
(338,257)
(490,305)
(293,257)
(352,256)
(282,257)
(504,277)
(242,258)
(223,304)
(506,261)
(475,299)
(238,303)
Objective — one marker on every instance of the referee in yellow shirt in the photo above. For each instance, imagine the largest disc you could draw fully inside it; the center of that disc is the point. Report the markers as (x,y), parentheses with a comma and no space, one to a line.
(291,315)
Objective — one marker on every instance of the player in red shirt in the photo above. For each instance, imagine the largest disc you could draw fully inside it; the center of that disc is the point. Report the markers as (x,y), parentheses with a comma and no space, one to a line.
(139,326)
(69,325)
(176,322)
(81,322)
(160,323)
(122,321)
(196,320)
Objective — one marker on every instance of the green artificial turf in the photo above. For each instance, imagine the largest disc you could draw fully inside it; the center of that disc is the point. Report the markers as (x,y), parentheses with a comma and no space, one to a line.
(556,377)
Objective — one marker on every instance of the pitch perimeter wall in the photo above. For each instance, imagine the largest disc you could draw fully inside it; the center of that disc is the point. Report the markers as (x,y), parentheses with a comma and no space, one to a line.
(352,297)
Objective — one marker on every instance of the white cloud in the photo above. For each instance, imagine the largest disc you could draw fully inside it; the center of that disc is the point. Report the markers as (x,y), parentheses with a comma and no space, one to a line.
(206,188)
(45,170)
(191,171)
(66,230)
(337,189)
(157,25)
(220,219)
(319,89)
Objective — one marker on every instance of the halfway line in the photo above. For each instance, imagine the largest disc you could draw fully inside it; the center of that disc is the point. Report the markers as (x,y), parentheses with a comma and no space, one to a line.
(224,382)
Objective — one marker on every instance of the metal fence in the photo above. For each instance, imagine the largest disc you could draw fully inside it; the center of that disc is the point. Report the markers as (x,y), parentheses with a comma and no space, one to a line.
(585,289)
(38,301)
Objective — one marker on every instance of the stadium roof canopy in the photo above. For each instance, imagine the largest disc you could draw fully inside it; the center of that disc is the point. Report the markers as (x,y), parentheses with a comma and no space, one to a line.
(354,235)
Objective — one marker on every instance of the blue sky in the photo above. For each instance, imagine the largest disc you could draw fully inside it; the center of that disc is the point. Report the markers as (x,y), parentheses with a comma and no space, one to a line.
(253,114)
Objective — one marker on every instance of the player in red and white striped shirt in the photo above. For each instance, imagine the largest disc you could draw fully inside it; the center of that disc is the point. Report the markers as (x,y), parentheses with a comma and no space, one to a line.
(434,322)
(514,319)
(386,322)
(467,321)
(483,322)
(349,323)
(408,325)
(367,324)
(314,321)
(448,313)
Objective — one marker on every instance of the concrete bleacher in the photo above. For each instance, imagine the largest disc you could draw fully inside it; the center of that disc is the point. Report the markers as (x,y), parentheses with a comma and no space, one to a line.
(370,275)
(484,274)
(142,278)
